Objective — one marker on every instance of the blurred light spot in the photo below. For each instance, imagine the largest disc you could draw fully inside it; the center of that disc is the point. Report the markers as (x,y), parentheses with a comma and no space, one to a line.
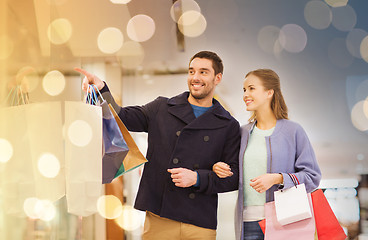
(53,83)
(317,14)
(27,77)
(344,18)
(80,133)
(364,49)
(293,38)
(109,206)
(45,210)
(192,24)
(48,165)
(337,3)
(268,38)
(6,47)
(361,92)
(6,150)
(129,219)
(140,28)
(110,40)
(358,118)
(29,207)
(59,31)
(353,41)
(120,1)
(339,54)
(182,6)
(360,156)
(132,54)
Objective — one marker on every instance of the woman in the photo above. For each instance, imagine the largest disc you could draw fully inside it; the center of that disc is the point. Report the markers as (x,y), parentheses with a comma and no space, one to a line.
(271,147)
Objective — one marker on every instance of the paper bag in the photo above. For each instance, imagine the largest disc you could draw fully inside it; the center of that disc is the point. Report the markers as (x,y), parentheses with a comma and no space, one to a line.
(301,230)
(134,158)
(83,157)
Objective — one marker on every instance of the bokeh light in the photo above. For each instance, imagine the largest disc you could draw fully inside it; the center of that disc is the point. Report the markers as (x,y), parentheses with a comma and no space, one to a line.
(141,28)
(129,219)
(39,209)
(48,165)
(268,38)
(120,1)
(110,40)
(59,31)
(360,156)
(344,18)
(6,150)
(29,207)
(364,49)
(339,54)
(293,38)
(337,3)
(6,47)
(45,210)
(80,133)
(192,24)
(109,206)
(182,6)
(27,77)
(317,14)
(131,54)
(358,117)
(53,83)
(353,41)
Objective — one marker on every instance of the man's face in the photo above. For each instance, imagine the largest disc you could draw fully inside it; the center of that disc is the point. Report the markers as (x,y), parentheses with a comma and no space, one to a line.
(202,79)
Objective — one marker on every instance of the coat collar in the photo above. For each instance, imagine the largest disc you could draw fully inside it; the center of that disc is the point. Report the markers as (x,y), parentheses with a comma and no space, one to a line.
(215,117)
(279,123)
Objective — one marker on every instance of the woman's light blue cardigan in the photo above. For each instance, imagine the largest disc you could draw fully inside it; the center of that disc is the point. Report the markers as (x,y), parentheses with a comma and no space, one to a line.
(288,151)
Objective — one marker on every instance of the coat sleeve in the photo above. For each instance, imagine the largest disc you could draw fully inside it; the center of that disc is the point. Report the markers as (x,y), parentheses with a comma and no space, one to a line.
(306,167)
(135,118)
(210,183)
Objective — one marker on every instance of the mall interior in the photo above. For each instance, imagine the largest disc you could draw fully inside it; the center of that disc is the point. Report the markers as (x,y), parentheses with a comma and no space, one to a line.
(51,145)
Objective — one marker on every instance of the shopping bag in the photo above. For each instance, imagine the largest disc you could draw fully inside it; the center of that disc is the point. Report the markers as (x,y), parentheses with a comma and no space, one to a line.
(301,230)
(35,168)
(134,158)
(292,204)
(83,156)
(115,147)
(327,225)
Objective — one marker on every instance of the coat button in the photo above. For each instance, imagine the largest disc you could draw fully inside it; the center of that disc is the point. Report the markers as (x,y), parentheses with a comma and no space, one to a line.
(191,195)
(175,161)
(178,133)
(206,138)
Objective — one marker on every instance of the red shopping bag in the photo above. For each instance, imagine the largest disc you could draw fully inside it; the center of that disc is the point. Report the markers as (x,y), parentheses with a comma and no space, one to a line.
(327,225)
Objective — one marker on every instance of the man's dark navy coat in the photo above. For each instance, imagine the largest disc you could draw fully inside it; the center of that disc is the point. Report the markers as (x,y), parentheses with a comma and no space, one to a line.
(177,139)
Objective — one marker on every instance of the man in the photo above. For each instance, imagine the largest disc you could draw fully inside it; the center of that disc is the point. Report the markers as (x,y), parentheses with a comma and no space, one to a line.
(187,135)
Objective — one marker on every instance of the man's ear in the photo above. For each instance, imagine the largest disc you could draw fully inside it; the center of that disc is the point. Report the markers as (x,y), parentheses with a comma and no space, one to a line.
(218,78)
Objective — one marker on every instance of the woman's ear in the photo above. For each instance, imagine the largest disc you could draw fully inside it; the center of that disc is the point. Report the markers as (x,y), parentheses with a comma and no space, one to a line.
(270,93)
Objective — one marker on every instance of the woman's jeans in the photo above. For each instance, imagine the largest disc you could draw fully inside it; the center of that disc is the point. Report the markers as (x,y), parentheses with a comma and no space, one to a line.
(252,231)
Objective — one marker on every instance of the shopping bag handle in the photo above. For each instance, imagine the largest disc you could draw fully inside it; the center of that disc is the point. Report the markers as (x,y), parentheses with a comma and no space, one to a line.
(92,97)
(294,179)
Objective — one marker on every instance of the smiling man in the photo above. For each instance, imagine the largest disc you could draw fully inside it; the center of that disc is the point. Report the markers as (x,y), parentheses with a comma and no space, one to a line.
(187,135)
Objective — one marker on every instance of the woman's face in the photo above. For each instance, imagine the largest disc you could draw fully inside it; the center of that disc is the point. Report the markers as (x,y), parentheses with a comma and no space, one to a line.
(255,96)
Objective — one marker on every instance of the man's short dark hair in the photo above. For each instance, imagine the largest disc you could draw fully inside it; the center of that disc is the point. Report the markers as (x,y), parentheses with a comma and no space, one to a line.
(216,60)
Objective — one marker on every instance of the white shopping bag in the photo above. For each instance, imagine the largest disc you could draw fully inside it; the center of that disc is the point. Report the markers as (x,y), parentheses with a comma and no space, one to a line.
(292,204)
(34,169)
(83,157)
